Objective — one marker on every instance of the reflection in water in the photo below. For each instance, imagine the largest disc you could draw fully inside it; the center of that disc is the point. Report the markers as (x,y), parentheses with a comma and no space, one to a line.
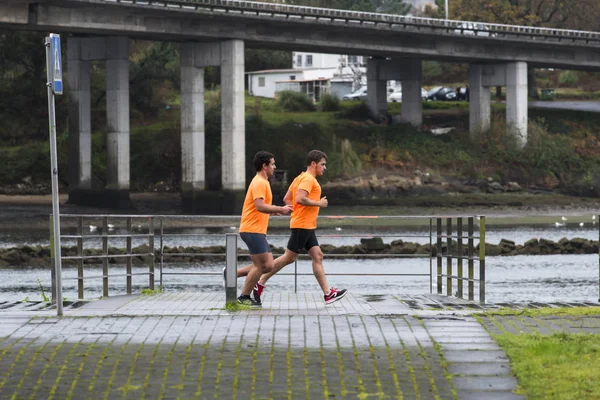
(518,278)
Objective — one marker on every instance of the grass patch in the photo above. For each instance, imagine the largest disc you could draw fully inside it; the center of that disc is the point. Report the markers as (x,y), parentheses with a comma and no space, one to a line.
(150,292)
(543,311)
(560,366)
(234,307)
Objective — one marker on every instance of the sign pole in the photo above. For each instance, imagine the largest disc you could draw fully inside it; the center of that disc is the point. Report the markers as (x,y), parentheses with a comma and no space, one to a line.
(54,84)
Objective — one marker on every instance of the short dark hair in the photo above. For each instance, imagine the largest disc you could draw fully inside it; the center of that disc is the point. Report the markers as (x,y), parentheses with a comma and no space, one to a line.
(261,158)
(316,156)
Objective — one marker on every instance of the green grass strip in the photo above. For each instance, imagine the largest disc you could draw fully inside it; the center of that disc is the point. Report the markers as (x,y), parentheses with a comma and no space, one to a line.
(393,371)
(80,368)
(150,368)
(46,367)
(558,366)
(343,389)
(323,363)
(362,393)
(203,362)
(546,311)
(100,363)
(423,354)
(306,378)
(272,359)
(114,371)
(186,361)
(255,359)
(15,395)
(125,389)
(15,363)
(238,353)
(411,369)
(288,359)
(62,369)
(163,384)
(373,359)
(220,365)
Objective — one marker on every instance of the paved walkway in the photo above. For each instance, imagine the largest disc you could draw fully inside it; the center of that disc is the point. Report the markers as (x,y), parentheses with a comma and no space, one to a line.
(186,345)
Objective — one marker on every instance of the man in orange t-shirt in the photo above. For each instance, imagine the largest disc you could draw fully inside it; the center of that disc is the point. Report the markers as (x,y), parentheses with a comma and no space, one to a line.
(304,194)
(255,221)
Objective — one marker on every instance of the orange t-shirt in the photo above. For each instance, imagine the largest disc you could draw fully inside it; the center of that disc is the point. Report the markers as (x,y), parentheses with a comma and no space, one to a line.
(253,221)
(305,217)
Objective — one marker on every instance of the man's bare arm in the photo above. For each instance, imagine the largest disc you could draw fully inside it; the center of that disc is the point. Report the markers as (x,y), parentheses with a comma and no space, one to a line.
(302,198)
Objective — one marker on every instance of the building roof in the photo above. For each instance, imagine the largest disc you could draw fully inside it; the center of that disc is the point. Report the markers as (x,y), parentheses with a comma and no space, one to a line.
(303,80)
(284,71)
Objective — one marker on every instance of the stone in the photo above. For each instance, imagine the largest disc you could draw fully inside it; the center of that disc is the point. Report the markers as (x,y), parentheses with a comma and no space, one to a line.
(373,244)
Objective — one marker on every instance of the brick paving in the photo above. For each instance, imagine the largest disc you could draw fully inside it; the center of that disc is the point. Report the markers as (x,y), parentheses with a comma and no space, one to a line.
(187,345)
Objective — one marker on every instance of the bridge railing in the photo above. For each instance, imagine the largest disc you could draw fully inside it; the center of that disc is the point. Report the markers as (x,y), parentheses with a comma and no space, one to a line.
(155,243)
(467,28)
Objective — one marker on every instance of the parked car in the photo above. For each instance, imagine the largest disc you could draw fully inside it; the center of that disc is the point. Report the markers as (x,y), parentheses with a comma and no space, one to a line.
(473,29)
(441,93)
(360,94)
(396,97)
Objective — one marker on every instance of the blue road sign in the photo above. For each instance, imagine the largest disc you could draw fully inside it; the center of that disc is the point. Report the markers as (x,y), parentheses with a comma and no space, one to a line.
(57,83)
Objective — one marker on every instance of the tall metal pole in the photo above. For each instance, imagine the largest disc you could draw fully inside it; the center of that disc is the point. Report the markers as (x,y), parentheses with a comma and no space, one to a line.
(54,174)
(446,8)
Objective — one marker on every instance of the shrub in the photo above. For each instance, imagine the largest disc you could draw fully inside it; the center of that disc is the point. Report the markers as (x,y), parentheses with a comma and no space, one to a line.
(359,112)
(568,78)
(329,102)
(294,101)
(345,163)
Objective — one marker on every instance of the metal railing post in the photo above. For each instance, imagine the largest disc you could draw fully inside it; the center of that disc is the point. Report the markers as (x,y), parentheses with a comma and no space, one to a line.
(151,249)
(430,255)
(449,256)
(52,267)
(162,249)
(482,260)
(230,267)
(129,252)
(439,254)
(296,276)
(470,253)
(459,251)
(80,259)
(105,257)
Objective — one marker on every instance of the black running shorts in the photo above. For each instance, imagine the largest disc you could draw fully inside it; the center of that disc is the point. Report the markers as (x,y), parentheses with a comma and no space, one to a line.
(302,239)
(256,242)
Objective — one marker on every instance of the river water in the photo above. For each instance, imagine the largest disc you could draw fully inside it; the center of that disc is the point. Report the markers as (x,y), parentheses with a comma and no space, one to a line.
(517,278)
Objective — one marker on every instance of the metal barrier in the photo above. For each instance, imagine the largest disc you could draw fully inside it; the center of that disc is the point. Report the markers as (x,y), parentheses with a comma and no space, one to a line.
(327,15)
(451,245)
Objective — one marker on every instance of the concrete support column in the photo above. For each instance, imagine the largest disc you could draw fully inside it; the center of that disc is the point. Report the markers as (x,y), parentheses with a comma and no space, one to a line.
(479,102)
(192,124)
(412,102)
(117,112)
(516,101)
(80,136)
(233,123)
(376,87)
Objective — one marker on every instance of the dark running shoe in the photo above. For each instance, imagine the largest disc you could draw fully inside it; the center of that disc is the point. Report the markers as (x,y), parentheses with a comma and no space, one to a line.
(257,292)
(248,301)
(334,295)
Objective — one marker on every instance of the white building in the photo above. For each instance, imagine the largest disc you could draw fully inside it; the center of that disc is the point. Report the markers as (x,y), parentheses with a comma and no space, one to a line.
(313,74)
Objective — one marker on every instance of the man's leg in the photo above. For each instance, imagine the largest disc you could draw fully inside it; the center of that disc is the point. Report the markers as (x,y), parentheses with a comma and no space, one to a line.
(285,259)
(244,271)
(316,255)
(261,263)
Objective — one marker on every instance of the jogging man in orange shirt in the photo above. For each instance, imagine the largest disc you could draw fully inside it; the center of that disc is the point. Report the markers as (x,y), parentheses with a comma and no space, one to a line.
(255,221)
(304,195)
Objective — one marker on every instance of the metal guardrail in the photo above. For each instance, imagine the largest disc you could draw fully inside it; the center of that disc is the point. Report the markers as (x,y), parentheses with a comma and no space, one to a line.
(320,15)
(453,246)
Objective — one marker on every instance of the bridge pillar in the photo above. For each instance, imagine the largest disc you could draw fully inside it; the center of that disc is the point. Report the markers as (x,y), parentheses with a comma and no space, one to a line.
(412,103)
(376,87)
(516,101)
(117,124)
(229,55)
(80,135)
(479,102)
(192,128)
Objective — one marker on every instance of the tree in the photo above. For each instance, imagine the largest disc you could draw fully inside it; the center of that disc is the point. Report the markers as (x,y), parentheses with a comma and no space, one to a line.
(569,14)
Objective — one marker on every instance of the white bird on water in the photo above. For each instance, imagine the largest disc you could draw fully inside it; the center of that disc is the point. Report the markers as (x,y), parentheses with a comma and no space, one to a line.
(558,224)
(581,224)
(593,220)
(338,228)
(111,227)
(563,218)
(93,228)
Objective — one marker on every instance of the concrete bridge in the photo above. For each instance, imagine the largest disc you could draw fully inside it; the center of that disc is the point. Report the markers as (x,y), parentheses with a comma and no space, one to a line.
(215,33)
